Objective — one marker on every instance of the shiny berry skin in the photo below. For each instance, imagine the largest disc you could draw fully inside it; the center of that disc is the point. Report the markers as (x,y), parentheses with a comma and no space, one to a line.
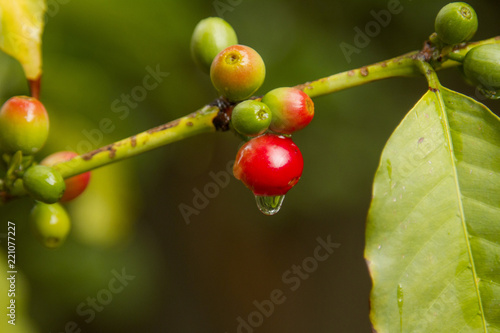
(456,23)
(269,165)
(210,36)
(251,118)
(50,223)
(482,66)
(237,72)
(44,183)
(292,109)
(74,185)
(24,125)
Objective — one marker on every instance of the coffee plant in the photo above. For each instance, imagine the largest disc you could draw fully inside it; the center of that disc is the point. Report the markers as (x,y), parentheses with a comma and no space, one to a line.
(433,226)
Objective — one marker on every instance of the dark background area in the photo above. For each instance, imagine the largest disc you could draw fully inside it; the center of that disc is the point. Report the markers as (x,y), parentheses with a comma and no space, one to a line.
(202,275)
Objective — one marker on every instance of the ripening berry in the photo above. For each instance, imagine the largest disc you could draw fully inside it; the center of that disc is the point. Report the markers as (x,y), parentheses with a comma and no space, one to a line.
(292,109)
(50,223)
(211,36)
(24,125)
(456,23)
(251,118)
(269,165)
(74,185)
(44,183)
(482,66)
(237,72)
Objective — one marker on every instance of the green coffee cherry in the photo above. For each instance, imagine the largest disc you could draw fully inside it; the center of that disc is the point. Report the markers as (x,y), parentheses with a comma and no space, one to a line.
(24,125)
(237,72)
(75,185)
(251,118)
(211,36)
(50,223)
(44,183)
(456,23)
(482,66)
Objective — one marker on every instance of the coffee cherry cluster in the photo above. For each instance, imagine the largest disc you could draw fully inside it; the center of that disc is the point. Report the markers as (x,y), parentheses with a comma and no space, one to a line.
(457,23)
(270,163)
(236,71)
(24,128)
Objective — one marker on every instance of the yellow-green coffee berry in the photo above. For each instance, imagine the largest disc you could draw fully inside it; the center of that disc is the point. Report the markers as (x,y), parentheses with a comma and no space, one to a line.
(211,36)
(456,23)
(50,223)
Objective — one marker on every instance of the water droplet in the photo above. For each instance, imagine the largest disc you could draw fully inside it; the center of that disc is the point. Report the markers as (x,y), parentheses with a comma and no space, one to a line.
(490,94)
(269,205)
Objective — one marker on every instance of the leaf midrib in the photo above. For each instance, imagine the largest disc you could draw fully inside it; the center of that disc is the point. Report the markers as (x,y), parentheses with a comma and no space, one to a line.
(447,130)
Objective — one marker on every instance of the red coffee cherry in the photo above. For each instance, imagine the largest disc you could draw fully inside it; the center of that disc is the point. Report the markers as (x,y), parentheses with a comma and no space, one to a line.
(74,185)
(269,165)
(237,72)
(24,125)
(292,109)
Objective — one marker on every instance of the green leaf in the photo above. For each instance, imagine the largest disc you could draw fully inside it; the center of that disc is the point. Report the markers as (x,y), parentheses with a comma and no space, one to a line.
(21,27)
(433,230)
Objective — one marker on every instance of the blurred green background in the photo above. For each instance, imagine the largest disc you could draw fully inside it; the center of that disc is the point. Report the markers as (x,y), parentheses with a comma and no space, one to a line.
(202,276)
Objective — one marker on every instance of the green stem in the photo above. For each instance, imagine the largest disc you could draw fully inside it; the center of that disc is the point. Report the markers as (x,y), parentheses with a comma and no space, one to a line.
(430,74)
(456,57)
(403,66)
(190,125)
(408,65)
